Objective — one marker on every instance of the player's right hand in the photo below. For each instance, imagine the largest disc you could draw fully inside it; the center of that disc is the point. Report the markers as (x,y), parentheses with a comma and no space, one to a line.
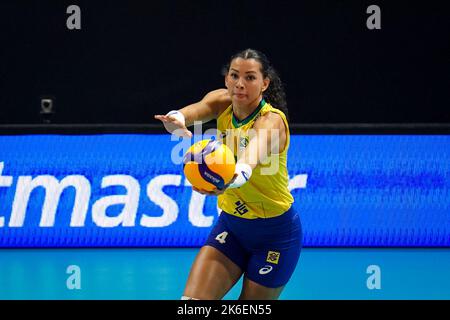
(174,125)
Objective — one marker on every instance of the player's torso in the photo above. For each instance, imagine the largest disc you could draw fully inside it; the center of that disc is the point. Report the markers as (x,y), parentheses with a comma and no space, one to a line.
(266,194)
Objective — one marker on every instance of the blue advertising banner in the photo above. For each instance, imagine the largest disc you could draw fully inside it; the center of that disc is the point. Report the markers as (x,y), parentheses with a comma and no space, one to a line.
(128,190)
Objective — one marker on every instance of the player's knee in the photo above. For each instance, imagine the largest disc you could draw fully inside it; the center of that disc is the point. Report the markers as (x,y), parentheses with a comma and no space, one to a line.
(188,298)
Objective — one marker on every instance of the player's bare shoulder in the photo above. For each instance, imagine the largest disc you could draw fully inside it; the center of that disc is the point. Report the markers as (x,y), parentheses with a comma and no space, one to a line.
(218,100)
(270,120)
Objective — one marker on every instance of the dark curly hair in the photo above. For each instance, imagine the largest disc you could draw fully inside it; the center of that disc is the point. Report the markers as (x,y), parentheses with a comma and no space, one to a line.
(274,94)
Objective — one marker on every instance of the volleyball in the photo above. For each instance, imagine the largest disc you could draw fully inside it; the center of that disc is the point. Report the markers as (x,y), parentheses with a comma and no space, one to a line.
(209,164)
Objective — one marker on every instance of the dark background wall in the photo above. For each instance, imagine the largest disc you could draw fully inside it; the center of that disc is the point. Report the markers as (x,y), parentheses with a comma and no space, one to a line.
(133,59)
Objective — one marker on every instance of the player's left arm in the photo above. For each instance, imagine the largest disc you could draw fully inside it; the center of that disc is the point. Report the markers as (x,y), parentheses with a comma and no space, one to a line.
(267,137)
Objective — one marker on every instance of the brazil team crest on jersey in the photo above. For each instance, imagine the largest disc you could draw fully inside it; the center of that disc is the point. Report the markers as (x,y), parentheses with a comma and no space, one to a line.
(243,142)
(273,257)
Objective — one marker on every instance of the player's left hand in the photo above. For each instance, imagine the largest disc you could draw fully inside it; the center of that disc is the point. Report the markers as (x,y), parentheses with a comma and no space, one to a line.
(216,191)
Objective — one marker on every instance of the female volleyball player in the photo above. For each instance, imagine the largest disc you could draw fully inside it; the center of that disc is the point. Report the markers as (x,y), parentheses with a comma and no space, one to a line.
(258,233)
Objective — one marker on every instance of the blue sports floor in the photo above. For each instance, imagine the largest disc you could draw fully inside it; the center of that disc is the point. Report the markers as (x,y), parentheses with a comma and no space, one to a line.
(322,273)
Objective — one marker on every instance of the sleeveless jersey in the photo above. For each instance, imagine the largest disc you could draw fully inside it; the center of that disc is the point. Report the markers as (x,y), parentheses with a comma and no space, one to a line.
(266,193)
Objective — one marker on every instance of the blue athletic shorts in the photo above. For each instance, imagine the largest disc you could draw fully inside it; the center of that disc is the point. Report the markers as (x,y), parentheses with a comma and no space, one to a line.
(266,250)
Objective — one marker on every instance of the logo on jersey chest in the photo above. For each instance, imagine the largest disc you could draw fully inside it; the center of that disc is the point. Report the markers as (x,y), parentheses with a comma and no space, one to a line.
(243,142)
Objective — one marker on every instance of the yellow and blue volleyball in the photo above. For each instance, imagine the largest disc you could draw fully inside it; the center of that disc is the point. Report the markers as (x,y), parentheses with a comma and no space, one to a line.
(209,164)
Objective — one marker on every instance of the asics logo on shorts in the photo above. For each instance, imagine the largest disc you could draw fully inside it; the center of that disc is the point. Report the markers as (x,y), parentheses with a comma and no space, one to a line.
(265,270)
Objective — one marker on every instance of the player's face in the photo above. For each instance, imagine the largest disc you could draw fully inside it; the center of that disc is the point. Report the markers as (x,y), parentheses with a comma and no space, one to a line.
(245,82)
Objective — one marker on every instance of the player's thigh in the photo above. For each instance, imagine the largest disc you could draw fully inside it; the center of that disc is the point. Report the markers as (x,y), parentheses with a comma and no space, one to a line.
(254,291)
(268,271)
(212,275)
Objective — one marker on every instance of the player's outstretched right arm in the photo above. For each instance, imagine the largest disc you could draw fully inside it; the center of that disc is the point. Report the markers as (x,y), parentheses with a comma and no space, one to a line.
(210,107)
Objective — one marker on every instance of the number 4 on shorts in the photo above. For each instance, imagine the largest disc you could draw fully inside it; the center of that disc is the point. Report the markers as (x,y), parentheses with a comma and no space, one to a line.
(221,237)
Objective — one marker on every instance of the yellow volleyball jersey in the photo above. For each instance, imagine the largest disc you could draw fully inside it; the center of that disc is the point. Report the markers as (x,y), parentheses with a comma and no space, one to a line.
(266,193)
